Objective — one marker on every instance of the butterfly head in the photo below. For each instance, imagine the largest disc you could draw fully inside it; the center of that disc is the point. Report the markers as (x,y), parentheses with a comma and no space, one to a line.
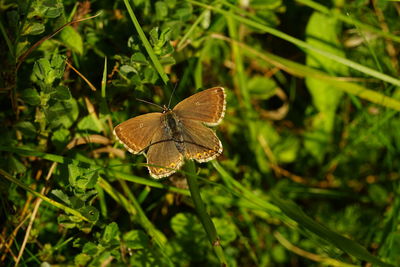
(165,109)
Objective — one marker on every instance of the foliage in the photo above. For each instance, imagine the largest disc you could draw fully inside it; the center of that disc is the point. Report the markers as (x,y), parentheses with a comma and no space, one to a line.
(310,169)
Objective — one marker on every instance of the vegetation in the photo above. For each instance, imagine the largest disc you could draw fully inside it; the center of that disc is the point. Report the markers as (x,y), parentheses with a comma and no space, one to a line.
(310,171)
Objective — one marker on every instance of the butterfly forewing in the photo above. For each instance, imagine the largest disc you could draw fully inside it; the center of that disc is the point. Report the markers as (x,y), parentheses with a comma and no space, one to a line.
(207,106)
(201,143)
(163,153)
(137,133)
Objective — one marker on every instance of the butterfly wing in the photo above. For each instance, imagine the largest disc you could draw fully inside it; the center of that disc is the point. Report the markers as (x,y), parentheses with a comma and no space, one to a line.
(201,143)
(136,133)
(207,106)
(163,153)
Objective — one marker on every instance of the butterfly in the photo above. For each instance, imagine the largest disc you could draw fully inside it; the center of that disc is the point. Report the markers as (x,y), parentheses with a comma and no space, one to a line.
(166,138)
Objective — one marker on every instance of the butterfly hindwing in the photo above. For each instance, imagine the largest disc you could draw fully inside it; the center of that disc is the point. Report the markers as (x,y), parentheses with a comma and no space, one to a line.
(163,153)
(207,106)
(201,143)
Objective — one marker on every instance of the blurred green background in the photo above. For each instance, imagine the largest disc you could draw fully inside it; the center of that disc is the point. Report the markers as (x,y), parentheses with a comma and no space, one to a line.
(309,175)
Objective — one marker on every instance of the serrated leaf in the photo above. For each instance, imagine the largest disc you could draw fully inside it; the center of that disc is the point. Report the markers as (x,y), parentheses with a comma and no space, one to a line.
(82,178)
(136,239)
(61,195)
(111,232)
(90,248)
(42,71)
(62,113)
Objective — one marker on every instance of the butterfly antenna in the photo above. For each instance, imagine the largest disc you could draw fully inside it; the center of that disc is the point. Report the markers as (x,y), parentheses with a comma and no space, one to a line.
(147,102)
(170,98)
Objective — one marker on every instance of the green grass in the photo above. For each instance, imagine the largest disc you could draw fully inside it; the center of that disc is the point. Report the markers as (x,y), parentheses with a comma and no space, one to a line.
(310,169)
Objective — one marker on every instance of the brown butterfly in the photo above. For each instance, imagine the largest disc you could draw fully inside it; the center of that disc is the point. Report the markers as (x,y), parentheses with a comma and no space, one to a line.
(167,138)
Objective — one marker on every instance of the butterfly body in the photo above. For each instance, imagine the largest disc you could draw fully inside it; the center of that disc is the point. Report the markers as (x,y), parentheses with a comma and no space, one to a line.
(173,127)
(167,138)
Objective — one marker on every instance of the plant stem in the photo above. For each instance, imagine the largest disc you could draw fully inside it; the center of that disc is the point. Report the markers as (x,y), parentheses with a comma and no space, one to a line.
(205,219)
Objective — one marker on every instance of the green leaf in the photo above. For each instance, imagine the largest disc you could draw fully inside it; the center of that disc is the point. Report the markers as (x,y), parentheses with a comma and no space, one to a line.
(322,32)
(61,195)
(265,4)
(183,12)
(66,222)
(21,47)
(111,232)
(82,178)
(33,28)
(60,138)
(167,60)
(139,58)
(90,212)
(61,93)
(378,194)
(226,230)
(90,123)
(393,245)
(261,87)
(15,165)
(42,71)
(53,12)
(150,75)
(30,96)
(72,39)
(161,10)
(136,239)
(27,128)
(48,71)
(90,248)
(286,150)
(62,113)
(82,259)
(125,69)
(185,224)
